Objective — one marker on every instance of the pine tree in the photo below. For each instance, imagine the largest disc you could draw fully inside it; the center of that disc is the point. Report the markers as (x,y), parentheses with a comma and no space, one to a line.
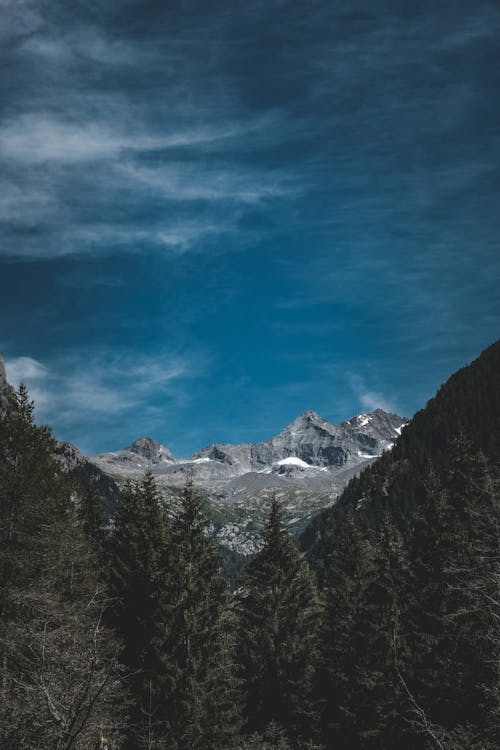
(279,614)
(58,668)
(455,567)
(136,581)
(383,649)
(33,489)
(342,637)
(92,516)
(202,700)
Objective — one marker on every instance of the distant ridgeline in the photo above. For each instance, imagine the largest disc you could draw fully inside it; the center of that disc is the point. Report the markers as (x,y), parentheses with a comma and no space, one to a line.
(126,636)
(466,407)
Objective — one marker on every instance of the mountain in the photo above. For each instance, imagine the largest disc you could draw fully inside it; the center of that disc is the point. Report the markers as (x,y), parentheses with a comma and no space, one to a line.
(305,447)
(310,442)
(143,455)
(73,461)
(466,407)
(6,391)
(306,465)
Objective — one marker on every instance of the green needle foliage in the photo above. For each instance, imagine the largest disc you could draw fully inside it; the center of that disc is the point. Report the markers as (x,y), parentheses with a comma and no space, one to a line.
(136,583)
(59,674)
(342,641)
(202,700)
(278,640)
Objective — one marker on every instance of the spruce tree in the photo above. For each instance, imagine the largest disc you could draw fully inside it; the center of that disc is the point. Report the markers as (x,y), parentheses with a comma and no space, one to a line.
(58,667)
(455,568)
(92,516)
(136,581)
(342,637)
(279,617)
(202,699)
(33,489)
(380,700)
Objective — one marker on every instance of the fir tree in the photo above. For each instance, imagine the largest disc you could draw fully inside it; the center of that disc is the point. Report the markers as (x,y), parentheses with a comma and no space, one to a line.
(33,489)
(58,667)
(202,700)
(455,556)
(380,700)
(92,516)
(279,615)
(136,581)
(342,642)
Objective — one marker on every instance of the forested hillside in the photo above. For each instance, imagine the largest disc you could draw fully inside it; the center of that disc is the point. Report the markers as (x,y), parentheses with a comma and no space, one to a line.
(124,635)
(466,408)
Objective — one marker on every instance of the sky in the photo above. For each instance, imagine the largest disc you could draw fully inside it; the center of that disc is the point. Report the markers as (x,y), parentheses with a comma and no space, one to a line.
(216,214)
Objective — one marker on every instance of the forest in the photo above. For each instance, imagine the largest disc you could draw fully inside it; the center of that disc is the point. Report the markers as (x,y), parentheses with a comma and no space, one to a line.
(381,633)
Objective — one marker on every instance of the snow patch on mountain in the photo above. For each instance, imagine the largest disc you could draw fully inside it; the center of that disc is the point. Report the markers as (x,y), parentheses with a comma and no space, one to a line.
(294,461)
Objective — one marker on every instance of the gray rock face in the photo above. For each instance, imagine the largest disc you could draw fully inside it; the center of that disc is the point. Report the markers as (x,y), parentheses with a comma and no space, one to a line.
(152,451)
(143,455)
(6,390)
(313,441)
(305,466)
(85,473)
(310,453)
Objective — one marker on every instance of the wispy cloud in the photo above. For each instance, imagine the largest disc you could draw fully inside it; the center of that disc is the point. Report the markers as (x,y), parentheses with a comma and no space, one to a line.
(316,186)
(93,391)
(368,398)
(88,42)
(37,137)
(214,182)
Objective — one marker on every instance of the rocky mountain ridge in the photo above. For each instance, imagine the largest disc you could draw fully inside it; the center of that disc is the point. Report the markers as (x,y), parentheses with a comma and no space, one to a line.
(307,446)
(306,466)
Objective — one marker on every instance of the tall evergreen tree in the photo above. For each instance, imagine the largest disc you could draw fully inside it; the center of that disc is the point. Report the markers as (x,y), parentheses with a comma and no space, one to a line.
(383,647)
(279,617)
(92,516)
(33,490)
(342,641)
(136,581)
(58,668)
(455,556)
(202,708)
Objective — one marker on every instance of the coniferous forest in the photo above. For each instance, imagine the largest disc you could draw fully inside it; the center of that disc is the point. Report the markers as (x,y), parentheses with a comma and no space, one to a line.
(382,633)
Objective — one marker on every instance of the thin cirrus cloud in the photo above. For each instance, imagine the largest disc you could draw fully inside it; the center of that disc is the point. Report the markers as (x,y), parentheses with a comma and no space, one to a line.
(37,138)
(369,398)
(178,181)
(105,388)
(83,42)
(51,166)
(323,179)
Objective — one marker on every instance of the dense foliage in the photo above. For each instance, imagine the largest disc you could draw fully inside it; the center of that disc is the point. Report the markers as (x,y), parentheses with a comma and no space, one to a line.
(278,639)
(125,635)
(60,680)
(467,405)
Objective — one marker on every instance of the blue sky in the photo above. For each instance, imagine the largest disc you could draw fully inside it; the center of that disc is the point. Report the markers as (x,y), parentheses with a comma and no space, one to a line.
(215,215)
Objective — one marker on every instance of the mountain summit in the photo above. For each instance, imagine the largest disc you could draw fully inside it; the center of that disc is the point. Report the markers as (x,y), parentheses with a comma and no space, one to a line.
(306,466)
(151,450)
(144,454)
(307,446)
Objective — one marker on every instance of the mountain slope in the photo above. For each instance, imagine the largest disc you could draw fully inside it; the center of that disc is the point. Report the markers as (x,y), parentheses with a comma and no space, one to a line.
(467,405)
(6,391)
(143,455)
(305,449)
(306,466)
(82,471)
